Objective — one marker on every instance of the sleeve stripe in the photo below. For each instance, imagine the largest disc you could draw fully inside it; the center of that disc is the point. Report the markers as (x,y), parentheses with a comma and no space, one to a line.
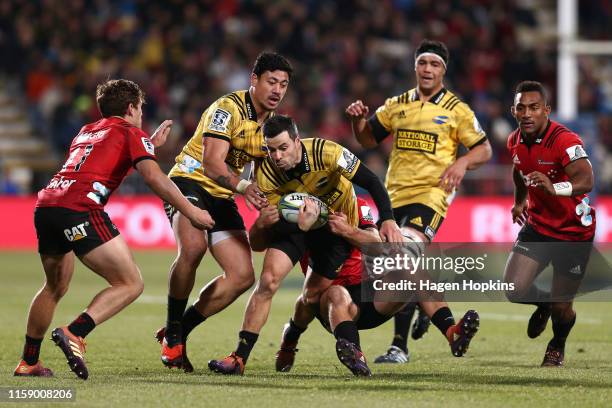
(378,130)
(449,101)
(479,142)
(315,161)
(268,174)
(452,106)
(141,158)
(216,136)
(238,102)
(321,150)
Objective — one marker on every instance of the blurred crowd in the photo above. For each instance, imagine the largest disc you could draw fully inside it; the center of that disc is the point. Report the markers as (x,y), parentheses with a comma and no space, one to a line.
(187,53)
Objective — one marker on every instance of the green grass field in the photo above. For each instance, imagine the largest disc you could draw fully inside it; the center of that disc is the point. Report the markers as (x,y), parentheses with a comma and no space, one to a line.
(501,368)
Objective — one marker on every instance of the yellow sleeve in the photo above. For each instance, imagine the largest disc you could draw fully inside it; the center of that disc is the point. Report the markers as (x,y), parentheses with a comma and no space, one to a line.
(339,159)
(222,119)
(469,131)
(383,114)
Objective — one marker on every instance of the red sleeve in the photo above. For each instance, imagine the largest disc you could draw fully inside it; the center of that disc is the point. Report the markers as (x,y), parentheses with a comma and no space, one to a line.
(365,214)
(139,145)
(569,148)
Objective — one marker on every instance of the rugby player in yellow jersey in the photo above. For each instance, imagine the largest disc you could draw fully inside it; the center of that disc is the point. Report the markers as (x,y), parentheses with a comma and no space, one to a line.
(325,170)
(207,171)
(427,124)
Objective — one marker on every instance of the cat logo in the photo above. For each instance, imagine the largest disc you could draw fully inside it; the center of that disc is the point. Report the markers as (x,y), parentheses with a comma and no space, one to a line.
(417,221)
(77,232)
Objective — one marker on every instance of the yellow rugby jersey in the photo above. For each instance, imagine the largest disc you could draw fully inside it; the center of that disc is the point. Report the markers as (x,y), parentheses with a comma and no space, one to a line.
(426,137)
(233,118)
(325,171)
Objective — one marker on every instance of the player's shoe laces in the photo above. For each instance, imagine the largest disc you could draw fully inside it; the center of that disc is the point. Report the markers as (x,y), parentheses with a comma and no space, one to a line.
(394,355)
(230,365)
(352,358)
(460,335)
(420,325)
(538,321)
(168,356)
(285,357)
(36,370)
(553,357)
(73,348)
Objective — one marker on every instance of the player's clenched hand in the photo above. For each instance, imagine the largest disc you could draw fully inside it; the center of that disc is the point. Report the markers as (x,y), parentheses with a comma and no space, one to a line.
(309,214)
(268,216)
(253,195)
(452,176)
(390,232)
(519,213)
(201,219)
(338,224)
(357,110)
(539,180)
(161,133)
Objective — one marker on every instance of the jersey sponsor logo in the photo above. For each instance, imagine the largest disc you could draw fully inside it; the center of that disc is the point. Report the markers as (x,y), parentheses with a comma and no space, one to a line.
(417,140)
(189,164)
(220,120)
(321,183)
(417,221)
(330,198)
(90,136)
(583,210)
(545,163)
(347,160)
(148,145)
(77,232)
(60,183)
(440,120)
(575,152)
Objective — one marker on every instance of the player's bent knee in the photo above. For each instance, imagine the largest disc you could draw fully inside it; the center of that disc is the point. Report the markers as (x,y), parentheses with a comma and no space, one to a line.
(268,284)
(338,296)
(57,291)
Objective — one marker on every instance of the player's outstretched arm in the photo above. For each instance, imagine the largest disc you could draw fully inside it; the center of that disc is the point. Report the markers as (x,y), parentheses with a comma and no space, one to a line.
(169,192)
(358,114)
(476,157)
(213,160)
(338,224)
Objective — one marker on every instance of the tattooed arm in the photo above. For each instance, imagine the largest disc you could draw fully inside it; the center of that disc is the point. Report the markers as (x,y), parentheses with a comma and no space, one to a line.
(213,161)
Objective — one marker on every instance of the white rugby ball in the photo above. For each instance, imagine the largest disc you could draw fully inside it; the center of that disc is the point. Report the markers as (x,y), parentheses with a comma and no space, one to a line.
(290,204)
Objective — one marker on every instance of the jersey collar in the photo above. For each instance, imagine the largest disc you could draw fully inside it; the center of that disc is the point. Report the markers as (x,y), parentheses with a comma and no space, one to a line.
(302,167)
(539,139)
(435,99)
(251,112)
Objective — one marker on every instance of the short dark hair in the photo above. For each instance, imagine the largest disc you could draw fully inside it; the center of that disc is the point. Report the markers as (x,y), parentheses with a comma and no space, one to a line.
(437,47)
(532,86)
(272,61)
(115,95)
(278,124)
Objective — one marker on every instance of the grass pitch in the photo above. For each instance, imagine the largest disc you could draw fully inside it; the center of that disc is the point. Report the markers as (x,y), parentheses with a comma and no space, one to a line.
(501,368)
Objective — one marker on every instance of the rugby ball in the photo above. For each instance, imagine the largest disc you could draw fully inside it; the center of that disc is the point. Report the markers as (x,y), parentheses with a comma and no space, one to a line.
(290,204)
